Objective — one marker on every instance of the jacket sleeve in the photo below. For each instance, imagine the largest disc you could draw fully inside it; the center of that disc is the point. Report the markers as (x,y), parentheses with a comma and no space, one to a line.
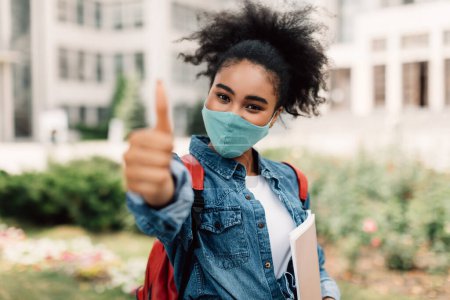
(328,286)
(165,222)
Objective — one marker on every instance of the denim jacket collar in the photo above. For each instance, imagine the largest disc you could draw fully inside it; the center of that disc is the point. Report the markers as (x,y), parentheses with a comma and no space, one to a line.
(226,167)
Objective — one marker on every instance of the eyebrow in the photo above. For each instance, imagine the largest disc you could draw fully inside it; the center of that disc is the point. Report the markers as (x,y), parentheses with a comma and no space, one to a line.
(249,97)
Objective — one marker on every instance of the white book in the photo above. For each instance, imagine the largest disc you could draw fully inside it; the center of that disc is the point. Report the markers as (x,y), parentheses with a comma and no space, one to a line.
(305,259)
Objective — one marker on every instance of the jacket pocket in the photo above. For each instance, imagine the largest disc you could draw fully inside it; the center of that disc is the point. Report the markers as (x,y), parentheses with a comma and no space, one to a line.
(222,237)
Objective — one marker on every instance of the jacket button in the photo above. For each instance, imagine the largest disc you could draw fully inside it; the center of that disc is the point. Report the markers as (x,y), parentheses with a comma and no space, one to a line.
(267,265)
(261,225)
(248,197)
(217,225)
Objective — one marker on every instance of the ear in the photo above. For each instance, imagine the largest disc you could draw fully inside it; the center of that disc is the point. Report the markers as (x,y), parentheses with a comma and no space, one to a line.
(275,116)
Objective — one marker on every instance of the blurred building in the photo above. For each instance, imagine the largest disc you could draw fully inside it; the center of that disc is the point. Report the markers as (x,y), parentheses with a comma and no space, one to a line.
(390,55)
(68,54)
(387,55)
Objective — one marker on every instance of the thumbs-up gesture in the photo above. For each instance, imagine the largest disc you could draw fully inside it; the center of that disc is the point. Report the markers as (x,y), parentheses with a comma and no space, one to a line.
(147,161)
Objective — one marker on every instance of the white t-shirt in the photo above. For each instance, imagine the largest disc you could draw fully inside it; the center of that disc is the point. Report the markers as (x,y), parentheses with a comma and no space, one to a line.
(279,222)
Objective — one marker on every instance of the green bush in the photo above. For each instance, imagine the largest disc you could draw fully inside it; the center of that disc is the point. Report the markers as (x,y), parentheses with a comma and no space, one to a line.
(409,205)
(99,132)
(88,193)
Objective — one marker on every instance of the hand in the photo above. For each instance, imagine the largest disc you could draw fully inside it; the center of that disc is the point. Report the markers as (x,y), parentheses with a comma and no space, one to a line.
(147,160)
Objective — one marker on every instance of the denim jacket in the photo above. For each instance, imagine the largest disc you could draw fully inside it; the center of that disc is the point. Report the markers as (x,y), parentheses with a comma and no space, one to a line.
(233,260)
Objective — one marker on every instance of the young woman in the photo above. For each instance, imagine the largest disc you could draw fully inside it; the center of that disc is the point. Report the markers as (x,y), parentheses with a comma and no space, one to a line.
(261,63)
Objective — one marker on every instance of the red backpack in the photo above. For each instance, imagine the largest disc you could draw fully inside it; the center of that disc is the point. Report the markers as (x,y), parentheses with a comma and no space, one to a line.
(159,279)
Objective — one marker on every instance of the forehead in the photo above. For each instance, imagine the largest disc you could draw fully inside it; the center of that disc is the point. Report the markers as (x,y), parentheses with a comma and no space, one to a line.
(247,78)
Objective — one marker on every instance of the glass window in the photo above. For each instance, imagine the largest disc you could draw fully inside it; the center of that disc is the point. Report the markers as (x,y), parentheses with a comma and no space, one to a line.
(98,14)
(118,20)
(63,64)
(379,85)
(447,37)
(102,114)
(447,82)
(379,45)
(82,114)
(118,63)
(80,65)
(80,12)
(62,10)
(138,16)
(99,68)
(139,62)
(184,17)
(415,41)
(415,84)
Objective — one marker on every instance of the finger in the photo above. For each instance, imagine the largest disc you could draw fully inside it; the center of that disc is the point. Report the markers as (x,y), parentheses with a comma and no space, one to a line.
(142,158)
(155,176)
(162,109)
(141,188)
(151,139)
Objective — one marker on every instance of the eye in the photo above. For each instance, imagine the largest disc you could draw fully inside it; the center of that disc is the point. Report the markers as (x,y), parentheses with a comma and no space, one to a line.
(223,97)
(254,107)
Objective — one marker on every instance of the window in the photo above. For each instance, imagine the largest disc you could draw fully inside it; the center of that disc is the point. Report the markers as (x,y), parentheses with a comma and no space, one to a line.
(138,16)
(98,14)
(80,66)
(139,62)
(102,114)
(415,84)
(415,41)
(340,88)
(118,63)
(379,85)
(447,37)
(184,17)
(99,68)
(80,12)
(82,114)
(379,45)
(447,82)
(62,10)
(118,21)
(63,64)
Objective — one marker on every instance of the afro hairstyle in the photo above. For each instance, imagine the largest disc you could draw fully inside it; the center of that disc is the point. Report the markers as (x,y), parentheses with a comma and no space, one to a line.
(285,43)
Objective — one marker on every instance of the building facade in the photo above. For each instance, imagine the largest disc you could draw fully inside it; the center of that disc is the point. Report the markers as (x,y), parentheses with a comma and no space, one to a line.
(390,55)
(70,52)
(386,55)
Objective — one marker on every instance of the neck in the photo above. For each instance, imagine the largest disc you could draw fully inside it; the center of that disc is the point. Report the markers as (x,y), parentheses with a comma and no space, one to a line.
(246,159)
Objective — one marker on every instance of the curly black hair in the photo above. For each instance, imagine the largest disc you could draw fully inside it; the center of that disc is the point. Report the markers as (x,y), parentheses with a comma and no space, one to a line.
(284,43)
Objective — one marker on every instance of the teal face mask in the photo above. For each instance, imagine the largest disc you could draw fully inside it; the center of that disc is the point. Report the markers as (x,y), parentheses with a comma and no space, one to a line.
(230,134)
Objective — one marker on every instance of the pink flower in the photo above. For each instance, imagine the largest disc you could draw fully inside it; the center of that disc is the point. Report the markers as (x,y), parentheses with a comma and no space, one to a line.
(375,242)
(369,226)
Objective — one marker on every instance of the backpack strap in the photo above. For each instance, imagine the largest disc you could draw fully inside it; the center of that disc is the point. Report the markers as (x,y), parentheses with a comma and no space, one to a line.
(197,175)
(302,184)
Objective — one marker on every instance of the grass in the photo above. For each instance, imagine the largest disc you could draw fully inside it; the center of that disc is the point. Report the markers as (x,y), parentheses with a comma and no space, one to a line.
(350,291)
(32,285)
(28,284)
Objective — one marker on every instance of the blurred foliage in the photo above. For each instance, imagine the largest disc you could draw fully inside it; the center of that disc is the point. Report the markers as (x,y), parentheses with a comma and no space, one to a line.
(88,193)
(87,132)
(407,206)
(195,120)
(127,105)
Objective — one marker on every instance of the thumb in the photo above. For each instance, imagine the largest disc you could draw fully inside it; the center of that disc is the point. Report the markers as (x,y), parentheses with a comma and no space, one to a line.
(162,109)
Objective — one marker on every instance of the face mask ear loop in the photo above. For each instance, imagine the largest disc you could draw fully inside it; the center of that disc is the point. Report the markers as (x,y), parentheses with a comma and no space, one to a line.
(268,123)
